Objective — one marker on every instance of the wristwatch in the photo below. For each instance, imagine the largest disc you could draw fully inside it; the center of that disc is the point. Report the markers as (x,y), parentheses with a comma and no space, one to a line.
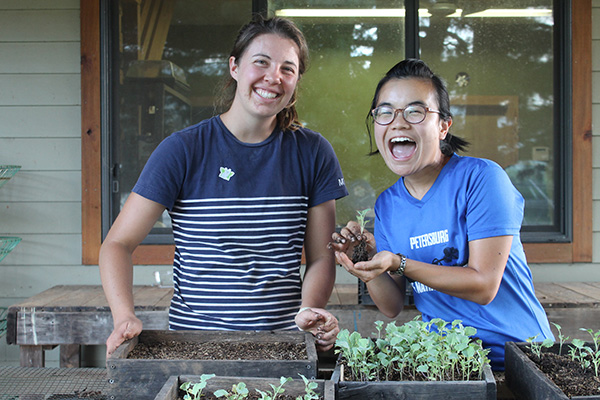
(402,267)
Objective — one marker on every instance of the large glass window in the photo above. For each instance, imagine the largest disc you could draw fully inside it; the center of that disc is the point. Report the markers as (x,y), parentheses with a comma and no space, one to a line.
(167,58)
(501,59)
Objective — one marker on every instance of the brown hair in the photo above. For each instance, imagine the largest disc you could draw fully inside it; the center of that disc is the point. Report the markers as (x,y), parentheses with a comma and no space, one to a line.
(288,117)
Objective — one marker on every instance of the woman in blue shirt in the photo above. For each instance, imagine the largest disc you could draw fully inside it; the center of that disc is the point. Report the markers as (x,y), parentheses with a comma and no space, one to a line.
(450,225)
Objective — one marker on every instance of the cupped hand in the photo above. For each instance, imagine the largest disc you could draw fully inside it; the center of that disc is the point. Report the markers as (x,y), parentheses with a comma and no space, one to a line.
(322,324)
(124,330)
(367,270)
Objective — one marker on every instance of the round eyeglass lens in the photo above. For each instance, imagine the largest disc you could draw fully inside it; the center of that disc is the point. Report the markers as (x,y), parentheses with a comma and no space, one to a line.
(414,114)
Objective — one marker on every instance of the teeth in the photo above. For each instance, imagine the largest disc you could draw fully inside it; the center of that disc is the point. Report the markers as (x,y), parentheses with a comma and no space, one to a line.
(401,140)
(266,94)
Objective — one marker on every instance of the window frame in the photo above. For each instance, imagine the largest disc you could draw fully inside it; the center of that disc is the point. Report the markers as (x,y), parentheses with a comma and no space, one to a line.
(579,249)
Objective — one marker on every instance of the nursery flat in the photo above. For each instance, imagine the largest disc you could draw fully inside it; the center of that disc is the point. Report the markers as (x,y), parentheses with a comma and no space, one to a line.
(567,374)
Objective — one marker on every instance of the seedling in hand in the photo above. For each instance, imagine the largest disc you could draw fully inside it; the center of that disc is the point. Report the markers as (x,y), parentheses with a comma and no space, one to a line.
(360,252)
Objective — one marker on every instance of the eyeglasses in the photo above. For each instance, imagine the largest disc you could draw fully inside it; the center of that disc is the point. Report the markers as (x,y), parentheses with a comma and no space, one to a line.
(415,114)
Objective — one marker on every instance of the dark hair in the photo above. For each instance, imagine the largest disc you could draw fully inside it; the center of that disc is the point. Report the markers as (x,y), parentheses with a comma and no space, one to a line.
(288,117)
(414,68)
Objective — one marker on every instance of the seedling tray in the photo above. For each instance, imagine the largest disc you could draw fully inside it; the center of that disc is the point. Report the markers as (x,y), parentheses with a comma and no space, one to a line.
(131,378)
(527,381)
(170,389)
(415,390)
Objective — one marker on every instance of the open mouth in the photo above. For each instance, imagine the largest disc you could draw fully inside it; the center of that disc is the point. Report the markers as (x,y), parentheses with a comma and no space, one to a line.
(402,147)
(265,94)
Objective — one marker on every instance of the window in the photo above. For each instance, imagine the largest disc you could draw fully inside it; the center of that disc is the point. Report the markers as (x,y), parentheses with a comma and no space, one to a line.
(363,48)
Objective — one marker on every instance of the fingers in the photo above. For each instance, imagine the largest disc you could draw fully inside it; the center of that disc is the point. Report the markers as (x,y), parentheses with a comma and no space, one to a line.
(322,324)
(113,342)
(122,332)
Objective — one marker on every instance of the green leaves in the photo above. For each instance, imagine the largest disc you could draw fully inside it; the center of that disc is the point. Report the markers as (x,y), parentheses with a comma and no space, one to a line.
(418,350)
(193,390)
(360,218)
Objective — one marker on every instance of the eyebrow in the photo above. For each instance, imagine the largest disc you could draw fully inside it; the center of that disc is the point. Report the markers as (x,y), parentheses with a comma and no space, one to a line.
(414,103)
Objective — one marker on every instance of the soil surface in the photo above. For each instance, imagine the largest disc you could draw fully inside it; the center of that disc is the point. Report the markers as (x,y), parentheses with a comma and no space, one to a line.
(360,252)
(174,350)
(567,374)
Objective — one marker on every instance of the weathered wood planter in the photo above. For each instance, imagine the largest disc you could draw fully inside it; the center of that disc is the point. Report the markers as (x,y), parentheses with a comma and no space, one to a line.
(131,378)
(295,387)
(448,390)
(526,381)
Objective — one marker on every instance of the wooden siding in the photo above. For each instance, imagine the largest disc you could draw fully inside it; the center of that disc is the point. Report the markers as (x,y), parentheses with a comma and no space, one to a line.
(40,126)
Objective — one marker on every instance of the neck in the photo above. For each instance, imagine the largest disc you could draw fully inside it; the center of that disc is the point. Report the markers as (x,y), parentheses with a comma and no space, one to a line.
(419,184)
(248,129)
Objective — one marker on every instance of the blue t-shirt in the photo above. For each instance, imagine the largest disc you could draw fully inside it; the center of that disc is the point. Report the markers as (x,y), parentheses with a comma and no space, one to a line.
(471,199)
(239,213)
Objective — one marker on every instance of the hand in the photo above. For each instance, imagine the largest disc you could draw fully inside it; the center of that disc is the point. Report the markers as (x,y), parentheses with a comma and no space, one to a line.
(124,330)
(322,324)
(349,237)
(368,270)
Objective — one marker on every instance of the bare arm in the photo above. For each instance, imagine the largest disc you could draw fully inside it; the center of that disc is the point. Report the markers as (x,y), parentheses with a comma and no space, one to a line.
(116,268)
(478,281)
(319,276)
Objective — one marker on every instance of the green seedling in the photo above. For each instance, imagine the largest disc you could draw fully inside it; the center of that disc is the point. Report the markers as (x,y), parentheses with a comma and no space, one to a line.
(193,390)
(360,218)
(238,392)
(536,347)
(434,350)
(561,338)
(277,390)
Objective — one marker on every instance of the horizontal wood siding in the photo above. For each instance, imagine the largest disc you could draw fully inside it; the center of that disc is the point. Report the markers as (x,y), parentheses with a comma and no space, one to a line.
(40,114)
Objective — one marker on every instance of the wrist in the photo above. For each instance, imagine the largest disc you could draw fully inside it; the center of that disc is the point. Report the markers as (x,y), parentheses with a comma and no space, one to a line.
(399,271)
(303,309)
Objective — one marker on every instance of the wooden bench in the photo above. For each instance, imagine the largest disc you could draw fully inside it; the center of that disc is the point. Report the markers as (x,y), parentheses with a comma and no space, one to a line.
(71,316)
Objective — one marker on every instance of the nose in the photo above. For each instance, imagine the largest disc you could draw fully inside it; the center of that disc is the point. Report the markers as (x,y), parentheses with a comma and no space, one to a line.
(399,121)
(273,76)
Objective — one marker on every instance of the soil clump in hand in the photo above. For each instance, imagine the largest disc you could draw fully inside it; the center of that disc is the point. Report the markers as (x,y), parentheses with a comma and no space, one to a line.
(360,252)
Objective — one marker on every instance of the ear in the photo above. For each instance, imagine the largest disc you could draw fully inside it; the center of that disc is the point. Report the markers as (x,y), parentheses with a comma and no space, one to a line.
(233,68)
(445,127)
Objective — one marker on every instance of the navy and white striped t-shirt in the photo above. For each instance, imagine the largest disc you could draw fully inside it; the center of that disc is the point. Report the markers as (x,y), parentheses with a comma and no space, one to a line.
(239,216)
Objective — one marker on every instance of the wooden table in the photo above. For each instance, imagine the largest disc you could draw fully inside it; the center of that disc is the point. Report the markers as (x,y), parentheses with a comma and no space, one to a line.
(71,316)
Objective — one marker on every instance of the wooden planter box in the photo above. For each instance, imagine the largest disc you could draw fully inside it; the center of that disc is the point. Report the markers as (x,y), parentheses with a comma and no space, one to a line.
(295,387)
(131,378)
(448,390)
(526,381)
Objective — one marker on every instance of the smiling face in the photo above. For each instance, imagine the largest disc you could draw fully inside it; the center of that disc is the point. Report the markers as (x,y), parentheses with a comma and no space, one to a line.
(411,150)
(266,76)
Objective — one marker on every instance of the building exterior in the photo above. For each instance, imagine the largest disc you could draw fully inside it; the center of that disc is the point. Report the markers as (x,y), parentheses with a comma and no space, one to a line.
(48,91)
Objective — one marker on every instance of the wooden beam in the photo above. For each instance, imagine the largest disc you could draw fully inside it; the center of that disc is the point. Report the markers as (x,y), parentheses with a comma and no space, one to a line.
(91,163)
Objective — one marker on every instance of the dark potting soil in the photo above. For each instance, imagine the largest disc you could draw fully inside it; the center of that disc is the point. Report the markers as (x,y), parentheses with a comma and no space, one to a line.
(567,374)
(360,252)
(174,350)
